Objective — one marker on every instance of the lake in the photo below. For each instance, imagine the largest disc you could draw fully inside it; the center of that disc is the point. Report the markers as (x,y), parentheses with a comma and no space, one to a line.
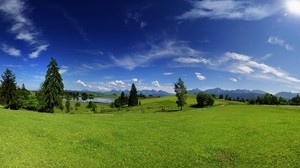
(97,100)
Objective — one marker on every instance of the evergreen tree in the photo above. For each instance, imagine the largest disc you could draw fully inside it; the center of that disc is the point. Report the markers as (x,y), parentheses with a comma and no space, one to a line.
(68,104)
(52,88)
(133,99)
(9,89)
(181,92)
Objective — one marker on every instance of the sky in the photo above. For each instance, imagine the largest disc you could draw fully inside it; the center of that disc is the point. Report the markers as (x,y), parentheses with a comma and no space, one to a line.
(108,45)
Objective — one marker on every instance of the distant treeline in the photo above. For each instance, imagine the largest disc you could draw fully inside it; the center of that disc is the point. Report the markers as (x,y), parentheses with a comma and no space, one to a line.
(266,99)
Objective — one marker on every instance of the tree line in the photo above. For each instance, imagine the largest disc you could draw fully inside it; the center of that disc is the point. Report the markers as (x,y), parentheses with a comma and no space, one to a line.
(47,97)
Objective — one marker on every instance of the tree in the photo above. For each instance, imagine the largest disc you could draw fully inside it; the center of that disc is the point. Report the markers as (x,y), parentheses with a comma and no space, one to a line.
(68,104)
(53,88)
(84,96)
(121,101)
(9,89)
(133,99)
(181,92)
(204,99)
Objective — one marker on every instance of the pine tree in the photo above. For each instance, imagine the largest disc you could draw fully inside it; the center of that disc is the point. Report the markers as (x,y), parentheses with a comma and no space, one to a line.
(68,104)
(133,97)
(181,92)
(52,88)
(9,89)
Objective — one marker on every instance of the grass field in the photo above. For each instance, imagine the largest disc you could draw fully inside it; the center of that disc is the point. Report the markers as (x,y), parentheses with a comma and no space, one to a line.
(226,135)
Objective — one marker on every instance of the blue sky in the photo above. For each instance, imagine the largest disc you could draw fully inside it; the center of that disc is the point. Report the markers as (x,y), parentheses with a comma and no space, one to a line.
(105,45)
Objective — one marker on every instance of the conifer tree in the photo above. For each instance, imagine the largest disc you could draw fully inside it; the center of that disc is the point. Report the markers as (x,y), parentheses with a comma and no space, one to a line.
(52,88)
(133,97)
(181,92)
(9,89)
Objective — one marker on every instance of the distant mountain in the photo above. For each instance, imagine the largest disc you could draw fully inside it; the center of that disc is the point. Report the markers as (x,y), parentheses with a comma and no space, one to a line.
(145,92)
(193,91)
(241,93)
(154,92)
(287,95)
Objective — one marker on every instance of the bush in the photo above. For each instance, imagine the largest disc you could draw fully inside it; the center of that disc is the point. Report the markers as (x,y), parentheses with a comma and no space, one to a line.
(204,99)
(90,105)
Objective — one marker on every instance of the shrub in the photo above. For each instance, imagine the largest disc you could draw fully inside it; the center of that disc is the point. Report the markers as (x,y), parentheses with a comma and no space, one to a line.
(204,99)
(90,105)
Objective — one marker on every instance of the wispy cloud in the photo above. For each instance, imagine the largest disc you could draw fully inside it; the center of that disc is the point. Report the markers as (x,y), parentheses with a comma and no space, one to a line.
(10,50)
(191,60)
(168,73)
(76,25)
(166,49)
(63,69)
(228,9)
(243,64)
(13,66)
(156,84)
(233,80)
(199,76)
(135,16)
(22,27)
(81,83)
(38,51)
(274,40)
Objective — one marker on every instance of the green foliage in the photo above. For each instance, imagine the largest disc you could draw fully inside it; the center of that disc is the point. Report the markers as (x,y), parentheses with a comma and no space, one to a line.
(68,105)
(133,99)
(295,100)
(267,99)
(90,105)
(121,101)
(84,96)
(77,105)
(204,99)
(9,90)
(52,89)
(181,92)
(94,107)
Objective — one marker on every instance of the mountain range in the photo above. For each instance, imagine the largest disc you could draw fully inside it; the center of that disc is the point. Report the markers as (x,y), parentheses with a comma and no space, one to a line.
(241,93)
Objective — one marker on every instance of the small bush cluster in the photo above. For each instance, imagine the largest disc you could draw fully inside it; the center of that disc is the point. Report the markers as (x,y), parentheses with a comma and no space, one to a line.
(204,99)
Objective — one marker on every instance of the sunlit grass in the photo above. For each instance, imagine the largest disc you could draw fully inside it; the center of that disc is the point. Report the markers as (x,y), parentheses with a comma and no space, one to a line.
(226,135)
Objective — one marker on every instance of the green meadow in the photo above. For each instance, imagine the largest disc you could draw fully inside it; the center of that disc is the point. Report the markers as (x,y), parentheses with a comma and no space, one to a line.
(226,135)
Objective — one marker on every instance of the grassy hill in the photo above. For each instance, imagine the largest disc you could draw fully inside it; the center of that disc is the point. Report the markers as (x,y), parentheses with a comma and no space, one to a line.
(226,135)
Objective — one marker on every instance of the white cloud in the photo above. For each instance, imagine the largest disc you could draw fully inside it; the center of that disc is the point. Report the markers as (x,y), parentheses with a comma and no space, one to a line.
(233,79)
(191,60)
(135,80)
(243,64)
(29,37)
(22,27)
(81,83)
(168,73)
(165,50)
(199,76)
(10,50)
(156,84)
(63,69)
(229,9)
(120,85)
(243,69)
(117,83)
(274,40)
(38,51)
